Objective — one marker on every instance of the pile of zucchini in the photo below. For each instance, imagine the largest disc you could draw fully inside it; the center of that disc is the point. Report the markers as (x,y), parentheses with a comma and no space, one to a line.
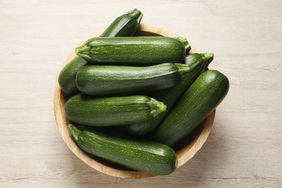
(131,99)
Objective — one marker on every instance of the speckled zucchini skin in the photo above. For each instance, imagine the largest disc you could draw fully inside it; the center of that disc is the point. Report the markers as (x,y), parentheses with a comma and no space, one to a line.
(194,106)
(197,63)
(151,157)
(132,50)
(115,80)
(112,111)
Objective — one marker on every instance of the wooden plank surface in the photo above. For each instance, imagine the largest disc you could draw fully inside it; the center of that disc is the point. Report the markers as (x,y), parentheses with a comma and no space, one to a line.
(244,149)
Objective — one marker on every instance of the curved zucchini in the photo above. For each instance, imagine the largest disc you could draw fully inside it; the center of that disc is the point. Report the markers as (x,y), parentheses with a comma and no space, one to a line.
(195,105)
(145,156)
(68,74)
(112,111)
(197,63)
(110,80)
(125,25)
(132,50)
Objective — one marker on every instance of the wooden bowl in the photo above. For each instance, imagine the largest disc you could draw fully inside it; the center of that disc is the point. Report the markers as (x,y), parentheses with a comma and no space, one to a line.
(185,150)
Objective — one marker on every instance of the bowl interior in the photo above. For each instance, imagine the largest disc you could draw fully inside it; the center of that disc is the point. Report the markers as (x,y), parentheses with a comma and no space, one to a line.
(185,149)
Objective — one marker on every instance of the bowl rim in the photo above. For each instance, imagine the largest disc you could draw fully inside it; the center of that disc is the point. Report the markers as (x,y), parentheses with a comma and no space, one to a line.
(182,156)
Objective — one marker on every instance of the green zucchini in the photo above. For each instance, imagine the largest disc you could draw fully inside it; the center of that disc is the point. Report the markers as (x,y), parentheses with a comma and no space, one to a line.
(112,111)
(68,74)
(110,80)
(151,157)
(132,50)
(195,105)
(197,63)
(125,25)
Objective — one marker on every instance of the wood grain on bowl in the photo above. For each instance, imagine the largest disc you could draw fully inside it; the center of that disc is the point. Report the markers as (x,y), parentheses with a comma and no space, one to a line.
(185,150)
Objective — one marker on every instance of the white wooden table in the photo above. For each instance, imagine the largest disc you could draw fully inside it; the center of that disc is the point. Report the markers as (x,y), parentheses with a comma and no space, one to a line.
(245,147)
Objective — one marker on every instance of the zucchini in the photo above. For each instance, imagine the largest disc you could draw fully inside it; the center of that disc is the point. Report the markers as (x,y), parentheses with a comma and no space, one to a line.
(125,25)
(132,50)
(197,63)
(195,105)
(112,111)
(110,80)
(68,74)
(151,157)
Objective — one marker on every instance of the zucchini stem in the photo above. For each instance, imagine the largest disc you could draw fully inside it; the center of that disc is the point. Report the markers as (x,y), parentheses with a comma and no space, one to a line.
(83,51)
(185,42)
(135,13)
(208,57)
(156,107)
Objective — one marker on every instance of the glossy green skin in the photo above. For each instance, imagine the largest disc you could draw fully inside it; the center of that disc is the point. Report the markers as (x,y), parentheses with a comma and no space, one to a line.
(197,64)
(125,25)
(111,111)
(195,105)
(114,80)
(132,50)
(151,157)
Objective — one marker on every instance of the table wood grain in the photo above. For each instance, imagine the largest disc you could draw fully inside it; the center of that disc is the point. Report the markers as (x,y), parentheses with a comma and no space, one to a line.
(245,146)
